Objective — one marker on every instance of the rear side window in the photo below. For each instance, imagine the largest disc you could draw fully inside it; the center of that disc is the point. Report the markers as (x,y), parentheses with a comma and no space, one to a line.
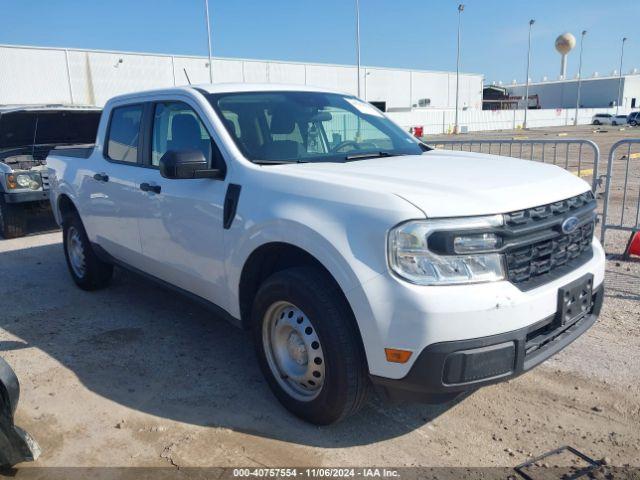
(124,133)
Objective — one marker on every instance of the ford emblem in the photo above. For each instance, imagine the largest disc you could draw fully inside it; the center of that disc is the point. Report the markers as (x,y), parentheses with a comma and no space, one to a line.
(570,225)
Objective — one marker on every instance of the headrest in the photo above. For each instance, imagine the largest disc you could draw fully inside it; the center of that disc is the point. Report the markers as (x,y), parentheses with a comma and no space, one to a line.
(229,125)
(282,121)
(184,126)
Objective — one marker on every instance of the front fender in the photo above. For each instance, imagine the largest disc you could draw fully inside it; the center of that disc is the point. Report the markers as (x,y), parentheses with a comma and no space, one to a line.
(347,275)
(348,239)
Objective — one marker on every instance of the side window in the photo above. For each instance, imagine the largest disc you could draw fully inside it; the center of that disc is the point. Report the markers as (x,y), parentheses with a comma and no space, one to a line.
(124,132)
(177,127)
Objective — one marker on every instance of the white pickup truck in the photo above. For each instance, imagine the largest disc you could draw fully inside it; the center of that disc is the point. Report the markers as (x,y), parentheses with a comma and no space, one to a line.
(357,255)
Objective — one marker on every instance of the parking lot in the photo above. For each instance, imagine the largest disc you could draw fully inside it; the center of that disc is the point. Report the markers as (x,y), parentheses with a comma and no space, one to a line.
(135,375)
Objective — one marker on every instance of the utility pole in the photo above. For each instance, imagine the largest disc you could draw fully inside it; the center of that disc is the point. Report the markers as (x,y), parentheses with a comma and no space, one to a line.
(526,91)
(358,43)
(620,81)
(206,9)
(575,120)
(456,127)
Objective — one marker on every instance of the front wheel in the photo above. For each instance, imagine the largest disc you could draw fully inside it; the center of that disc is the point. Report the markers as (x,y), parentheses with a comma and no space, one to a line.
(596,122)
(87,270)
(308,346)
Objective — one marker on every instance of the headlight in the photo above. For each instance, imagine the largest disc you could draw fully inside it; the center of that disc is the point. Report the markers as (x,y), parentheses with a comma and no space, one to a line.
(479,242)
(31,180)
(453,255)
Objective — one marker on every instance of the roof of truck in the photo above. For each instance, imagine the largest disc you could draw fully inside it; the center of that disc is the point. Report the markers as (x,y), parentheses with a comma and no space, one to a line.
(257,87)
(229,88)
(45,108)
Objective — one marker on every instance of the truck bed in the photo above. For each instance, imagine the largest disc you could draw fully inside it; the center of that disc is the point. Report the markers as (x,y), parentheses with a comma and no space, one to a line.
(76,151)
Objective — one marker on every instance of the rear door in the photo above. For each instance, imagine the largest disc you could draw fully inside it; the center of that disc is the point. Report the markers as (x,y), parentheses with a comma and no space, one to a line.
(181,231)
(111,194)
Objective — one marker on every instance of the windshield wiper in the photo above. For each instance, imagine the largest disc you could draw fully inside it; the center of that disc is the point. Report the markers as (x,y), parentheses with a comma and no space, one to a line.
(362,156)
(277,162)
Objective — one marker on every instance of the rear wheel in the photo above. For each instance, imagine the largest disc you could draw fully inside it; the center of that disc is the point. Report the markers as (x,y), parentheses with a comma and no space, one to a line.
(308,346)
(12,219)
(87,270)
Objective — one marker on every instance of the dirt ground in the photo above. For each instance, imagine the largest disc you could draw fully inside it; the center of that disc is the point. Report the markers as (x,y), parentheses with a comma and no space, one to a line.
(135,375)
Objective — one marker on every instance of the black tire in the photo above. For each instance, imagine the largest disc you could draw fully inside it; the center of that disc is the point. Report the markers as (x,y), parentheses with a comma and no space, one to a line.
(95,273)
(13,221)
(345,383)
(596,122)
(633,123)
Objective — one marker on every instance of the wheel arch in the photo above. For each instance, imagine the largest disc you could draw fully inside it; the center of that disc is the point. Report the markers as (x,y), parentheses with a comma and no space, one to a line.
(276,256)
(65,206)
(267,259)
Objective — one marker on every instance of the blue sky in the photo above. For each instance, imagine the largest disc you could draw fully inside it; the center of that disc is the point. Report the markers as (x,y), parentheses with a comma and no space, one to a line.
(395,33)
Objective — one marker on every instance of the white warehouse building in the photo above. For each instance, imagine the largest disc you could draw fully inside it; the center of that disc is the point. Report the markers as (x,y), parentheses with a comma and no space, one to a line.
(90,77)
(595,92)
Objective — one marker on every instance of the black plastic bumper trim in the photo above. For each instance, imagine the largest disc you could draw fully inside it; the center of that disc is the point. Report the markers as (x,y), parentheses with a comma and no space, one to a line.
(425,380)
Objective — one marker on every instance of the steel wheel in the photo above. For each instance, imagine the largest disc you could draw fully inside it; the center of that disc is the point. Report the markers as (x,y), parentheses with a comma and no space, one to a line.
(76,252)
(293,351)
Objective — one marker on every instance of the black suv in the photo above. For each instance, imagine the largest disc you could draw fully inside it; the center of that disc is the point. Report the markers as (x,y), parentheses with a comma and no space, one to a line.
(634,118)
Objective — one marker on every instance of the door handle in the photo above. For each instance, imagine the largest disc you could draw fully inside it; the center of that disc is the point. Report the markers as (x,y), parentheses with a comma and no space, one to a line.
(145,187)
(101,177)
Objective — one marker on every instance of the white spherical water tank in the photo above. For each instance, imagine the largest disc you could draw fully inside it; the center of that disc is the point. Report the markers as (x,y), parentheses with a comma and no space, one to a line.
(564,44)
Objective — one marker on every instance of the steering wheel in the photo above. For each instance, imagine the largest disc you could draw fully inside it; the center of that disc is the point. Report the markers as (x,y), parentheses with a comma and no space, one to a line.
(354,144)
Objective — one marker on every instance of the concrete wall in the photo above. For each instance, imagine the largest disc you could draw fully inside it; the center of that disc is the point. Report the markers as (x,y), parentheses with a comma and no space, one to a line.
(595,92)
(49,75)
(632,92)
(435,122)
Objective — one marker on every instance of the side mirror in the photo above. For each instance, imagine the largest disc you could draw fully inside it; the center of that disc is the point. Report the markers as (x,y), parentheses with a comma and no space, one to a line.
(186,164)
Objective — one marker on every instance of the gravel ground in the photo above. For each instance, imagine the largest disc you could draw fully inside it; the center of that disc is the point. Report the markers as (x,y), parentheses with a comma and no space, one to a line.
(136,376)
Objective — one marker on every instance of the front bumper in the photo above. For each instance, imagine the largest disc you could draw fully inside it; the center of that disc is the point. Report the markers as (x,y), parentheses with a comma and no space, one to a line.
(444,370)
(27,197)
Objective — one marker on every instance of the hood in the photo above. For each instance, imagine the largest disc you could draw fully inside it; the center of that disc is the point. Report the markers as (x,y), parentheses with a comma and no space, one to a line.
(20,128)
(445,183)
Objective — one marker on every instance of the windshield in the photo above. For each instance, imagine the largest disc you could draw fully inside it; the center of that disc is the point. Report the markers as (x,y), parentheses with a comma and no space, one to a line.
(275,127)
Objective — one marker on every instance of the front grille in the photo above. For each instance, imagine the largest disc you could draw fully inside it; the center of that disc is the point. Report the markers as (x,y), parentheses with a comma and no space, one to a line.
(537,251)
(45,180)
(535,215)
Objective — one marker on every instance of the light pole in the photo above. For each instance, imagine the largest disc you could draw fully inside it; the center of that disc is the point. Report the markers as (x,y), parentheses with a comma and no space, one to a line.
(575,120)
(456,127)
(366,74)
(526,90)
(358,43)
(206,10)
(620,81)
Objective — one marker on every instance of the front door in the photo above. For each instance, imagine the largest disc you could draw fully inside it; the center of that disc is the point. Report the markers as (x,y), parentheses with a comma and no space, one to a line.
(181,231)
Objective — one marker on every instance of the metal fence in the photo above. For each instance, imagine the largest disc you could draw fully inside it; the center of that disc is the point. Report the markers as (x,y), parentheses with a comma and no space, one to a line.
(621,210)
(580,157)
